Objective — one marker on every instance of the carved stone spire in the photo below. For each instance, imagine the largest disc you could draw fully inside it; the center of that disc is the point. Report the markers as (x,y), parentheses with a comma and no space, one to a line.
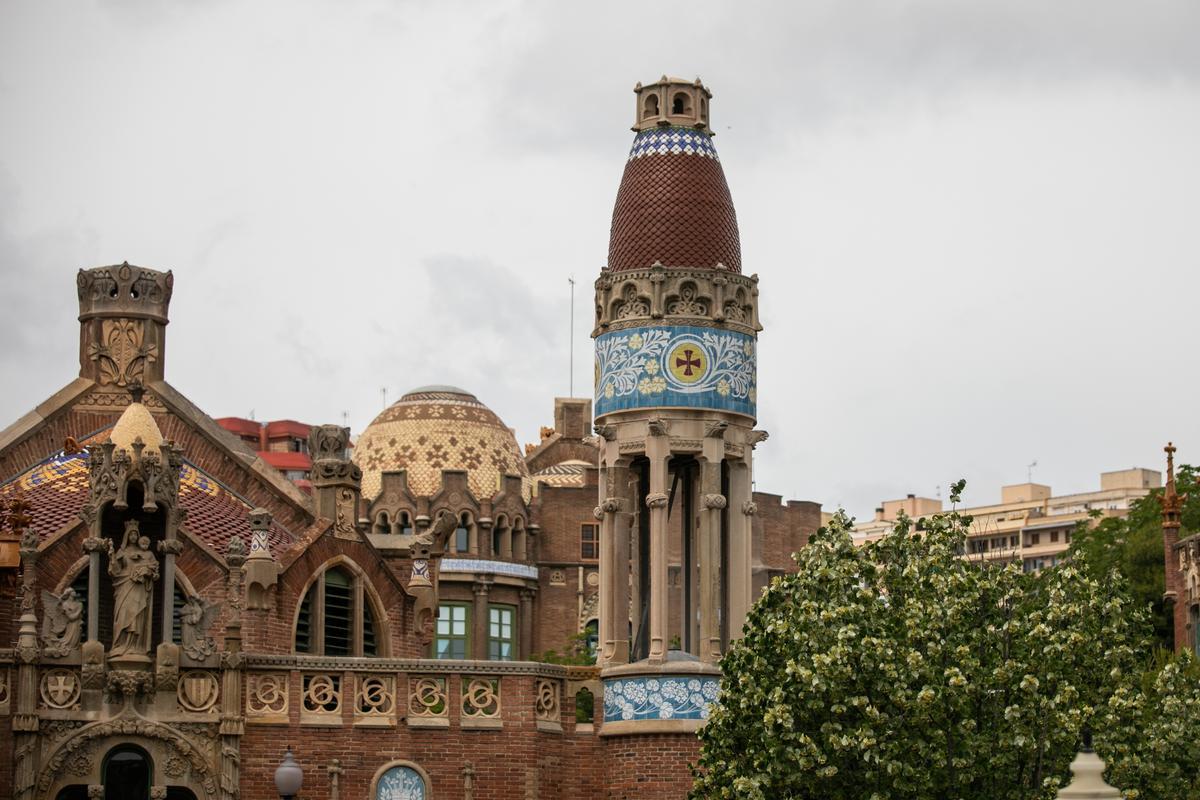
(1172,506)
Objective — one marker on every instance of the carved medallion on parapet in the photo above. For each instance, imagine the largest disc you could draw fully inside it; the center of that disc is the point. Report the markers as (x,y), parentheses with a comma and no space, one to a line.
(267,697)
(60,689)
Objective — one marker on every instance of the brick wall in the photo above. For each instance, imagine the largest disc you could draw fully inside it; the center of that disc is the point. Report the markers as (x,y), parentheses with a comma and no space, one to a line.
(652,766)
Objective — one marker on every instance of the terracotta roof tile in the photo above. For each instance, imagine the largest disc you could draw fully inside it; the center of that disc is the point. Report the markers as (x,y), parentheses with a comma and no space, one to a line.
(673,207)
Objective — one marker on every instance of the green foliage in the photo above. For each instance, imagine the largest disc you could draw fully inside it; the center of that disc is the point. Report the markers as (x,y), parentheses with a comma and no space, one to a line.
(1151,730)
(578,653)
(900,671)
(1133,545)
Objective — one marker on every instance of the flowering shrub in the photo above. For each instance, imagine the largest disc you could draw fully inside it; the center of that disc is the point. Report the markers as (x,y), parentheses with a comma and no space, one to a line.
(899,670)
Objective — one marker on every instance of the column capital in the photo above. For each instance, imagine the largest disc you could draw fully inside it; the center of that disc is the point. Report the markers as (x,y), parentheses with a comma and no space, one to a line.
(657,500)
(716,501)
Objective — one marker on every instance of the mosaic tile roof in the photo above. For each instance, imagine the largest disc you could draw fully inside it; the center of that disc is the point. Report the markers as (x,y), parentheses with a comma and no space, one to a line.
(57,488)
(568,473)
(673,206)
(436,428)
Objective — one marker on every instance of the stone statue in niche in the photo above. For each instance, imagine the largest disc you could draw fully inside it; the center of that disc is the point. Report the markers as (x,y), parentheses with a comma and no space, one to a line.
(134,569)
(62,622)
(195,618)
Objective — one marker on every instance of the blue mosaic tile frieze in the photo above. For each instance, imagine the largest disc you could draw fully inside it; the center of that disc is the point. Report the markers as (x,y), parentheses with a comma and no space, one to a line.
(672,141)
(486,565)
(665,697)
(676,366)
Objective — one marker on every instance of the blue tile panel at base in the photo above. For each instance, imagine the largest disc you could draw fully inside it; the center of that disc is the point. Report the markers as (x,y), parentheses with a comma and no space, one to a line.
(494,567)
(676,366)
(663,697)
(400,783)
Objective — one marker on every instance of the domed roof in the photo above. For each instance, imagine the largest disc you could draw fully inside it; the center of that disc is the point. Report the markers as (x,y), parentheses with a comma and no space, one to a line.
(433,428)
(674,206)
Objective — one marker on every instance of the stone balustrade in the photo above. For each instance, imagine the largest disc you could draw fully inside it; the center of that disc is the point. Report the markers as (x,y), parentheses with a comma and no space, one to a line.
(418,693)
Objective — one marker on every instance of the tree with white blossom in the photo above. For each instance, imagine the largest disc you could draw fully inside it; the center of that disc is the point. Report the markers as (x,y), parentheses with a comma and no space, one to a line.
(899,670)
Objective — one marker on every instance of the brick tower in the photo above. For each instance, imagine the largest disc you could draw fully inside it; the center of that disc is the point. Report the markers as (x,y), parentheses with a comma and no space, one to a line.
(676,334)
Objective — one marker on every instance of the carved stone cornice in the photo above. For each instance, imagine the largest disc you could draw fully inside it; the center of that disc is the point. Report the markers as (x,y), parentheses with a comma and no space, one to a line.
(290,661)
(703,297)
(124,291)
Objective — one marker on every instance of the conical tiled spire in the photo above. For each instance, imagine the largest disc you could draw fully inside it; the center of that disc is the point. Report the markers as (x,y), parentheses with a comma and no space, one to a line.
(673,207)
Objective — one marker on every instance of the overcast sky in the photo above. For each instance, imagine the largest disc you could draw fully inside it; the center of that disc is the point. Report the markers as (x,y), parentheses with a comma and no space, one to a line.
(977,225)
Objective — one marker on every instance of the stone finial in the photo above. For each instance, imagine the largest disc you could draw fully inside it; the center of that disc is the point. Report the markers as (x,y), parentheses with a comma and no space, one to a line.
(328,442)
(1170,499)
(261,569)
(1088,777)
(122,314)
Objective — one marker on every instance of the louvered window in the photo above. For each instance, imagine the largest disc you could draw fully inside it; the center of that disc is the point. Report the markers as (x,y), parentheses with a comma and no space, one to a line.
(304,623)
(176,626)
(336,617)
(339,613)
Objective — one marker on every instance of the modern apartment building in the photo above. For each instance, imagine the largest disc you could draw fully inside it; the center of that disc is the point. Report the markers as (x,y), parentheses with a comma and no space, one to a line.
(1029,525)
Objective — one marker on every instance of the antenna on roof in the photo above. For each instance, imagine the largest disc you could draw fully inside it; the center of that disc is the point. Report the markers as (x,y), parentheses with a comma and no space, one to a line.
(571,341)
(1029,471)
(383,393)
(345,419)
(252,415)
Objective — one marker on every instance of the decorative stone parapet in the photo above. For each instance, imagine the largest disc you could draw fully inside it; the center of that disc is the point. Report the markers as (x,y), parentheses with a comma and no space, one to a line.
(703,297)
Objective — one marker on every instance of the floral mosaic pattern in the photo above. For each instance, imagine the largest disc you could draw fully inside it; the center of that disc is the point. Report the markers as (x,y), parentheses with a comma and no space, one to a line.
(680,366)
(659,698)
(400,783)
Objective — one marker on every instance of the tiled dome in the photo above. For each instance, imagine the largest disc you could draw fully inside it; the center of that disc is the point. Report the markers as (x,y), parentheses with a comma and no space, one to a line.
(673,206)
(435,428)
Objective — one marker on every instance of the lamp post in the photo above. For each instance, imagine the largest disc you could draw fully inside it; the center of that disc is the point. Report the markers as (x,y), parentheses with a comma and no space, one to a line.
(289,776)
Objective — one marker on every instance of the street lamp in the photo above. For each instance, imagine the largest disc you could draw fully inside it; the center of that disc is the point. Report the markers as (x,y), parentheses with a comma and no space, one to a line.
(289,776)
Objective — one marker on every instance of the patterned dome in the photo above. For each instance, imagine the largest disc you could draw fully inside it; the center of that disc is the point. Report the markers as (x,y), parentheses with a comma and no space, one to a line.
(674,206)
(434,428)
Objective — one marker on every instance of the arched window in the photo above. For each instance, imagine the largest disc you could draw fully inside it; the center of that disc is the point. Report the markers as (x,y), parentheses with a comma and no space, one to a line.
(382,523)
(127,772)
(461,541)
(400,780)
(520,541)
(337,616)
(680,104)
(404,523)
(650,107)
(501,538)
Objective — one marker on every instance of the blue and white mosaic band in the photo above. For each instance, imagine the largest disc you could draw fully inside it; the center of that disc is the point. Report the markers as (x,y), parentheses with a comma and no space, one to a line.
(676,366)
(672,141)
(667,697)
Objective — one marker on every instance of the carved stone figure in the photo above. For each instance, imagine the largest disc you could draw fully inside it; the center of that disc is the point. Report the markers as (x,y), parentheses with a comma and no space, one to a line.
(62,622)
(134,569)
(196,616)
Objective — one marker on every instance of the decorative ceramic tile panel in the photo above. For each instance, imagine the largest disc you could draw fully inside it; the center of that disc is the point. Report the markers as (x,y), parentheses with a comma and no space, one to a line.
(400,783)
(666,697)
(676,366)
(485,565)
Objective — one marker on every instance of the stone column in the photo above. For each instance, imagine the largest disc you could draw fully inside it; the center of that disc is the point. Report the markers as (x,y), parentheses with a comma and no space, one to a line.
(525,645)
(233,724)
(94,546)
(741,545)
(25,719)
(484,537)
(658,451)
(615,520)
(712,505)
(169,547)
(479,620)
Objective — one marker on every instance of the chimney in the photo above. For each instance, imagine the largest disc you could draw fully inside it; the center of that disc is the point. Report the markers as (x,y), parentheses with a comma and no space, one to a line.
(123,321)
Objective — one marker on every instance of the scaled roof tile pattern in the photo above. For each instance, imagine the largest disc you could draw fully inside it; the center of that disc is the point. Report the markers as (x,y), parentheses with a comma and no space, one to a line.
(57,489)
(425,432)
(674,206)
